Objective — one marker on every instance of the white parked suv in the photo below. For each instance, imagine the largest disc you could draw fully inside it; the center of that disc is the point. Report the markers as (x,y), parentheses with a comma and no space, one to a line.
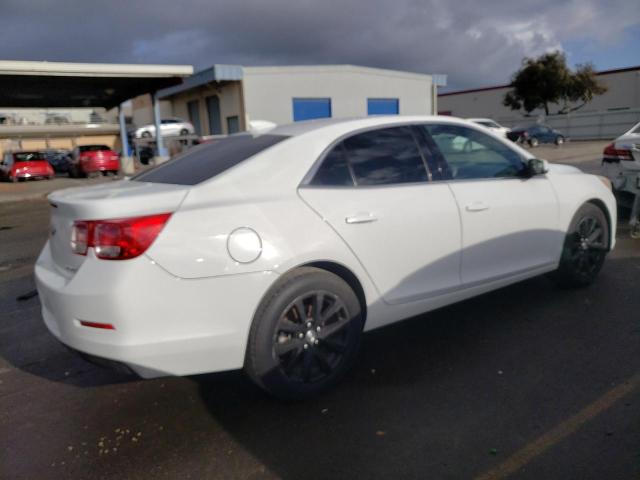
(621,164)
(168,127)
(491,124)
(274,251)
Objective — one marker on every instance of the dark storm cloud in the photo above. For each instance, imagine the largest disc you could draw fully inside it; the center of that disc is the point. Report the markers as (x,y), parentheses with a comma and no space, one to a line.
(475,42)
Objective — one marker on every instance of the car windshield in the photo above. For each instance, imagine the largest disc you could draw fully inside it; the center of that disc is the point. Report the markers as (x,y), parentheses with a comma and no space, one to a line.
(208,160)
(94,148)
(28,156)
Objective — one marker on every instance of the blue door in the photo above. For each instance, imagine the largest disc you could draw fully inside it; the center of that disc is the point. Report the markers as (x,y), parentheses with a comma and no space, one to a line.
(383,106)
(310,108)
(213,109)
(194,115)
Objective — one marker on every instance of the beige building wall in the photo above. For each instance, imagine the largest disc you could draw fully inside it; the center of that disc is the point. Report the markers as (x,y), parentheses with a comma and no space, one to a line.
(230,99)
(269,91)
(11,144)
(142,110)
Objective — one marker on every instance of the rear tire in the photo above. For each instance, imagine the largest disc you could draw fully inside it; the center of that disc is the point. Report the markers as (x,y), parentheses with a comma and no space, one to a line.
(585,247)
(559,140)
(305,334)
(534,142)
(145,134)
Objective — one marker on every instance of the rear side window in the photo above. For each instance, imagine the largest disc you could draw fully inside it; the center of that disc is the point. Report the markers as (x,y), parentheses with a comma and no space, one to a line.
(94,148)
(385,156)
(206,161)
(28,156)
(334,169)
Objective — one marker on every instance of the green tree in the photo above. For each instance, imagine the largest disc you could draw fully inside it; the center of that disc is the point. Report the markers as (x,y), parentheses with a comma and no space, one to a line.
(547,80)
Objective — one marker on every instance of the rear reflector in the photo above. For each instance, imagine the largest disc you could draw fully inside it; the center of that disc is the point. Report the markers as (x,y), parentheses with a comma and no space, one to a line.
(105,326)
(117,239)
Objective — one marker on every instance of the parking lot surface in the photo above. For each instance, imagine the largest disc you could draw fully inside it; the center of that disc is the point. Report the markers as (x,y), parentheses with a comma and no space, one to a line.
(528,382)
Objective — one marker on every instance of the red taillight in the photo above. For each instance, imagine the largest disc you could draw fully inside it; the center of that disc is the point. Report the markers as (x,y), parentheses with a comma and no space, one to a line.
(617,154)
(117,239)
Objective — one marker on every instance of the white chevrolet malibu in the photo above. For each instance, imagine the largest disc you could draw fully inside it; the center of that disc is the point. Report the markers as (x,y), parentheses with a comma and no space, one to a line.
(273,252)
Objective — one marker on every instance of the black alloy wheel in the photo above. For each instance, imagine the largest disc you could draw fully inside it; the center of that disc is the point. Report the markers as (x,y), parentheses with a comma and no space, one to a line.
(585,248)
(311,336)
(305,334)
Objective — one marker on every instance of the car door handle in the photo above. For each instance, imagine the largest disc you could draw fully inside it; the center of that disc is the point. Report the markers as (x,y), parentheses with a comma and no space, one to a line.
(476,207)
(363,217)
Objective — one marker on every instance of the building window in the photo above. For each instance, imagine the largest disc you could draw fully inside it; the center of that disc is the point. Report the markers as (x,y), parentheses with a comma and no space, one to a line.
(193,107)
(233,124)
(383,106)
(213,111)
(311,108)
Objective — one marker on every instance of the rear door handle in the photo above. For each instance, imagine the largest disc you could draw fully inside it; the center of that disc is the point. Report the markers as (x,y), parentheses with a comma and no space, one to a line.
(361,217)
(476,207)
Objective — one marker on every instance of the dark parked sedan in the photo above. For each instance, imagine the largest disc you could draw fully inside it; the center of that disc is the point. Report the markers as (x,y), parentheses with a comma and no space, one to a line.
(58,159)
(534,135)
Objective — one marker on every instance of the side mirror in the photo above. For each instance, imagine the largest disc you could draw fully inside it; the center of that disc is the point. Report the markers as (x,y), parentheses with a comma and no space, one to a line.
(536,166)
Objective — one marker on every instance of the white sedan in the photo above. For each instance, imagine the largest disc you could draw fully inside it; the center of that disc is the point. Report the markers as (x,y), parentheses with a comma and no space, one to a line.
(168,126)
(273,252)
(492,125)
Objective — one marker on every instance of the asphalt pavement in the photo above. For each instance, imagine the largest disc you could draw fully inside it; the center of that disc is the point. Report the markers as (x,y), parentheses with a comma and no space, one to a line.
(528,382)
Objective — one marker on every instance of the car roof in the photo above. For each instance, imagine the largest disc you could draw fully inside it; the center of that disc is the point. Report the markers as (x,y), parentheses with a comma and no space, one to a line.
(308,126)
(481,120)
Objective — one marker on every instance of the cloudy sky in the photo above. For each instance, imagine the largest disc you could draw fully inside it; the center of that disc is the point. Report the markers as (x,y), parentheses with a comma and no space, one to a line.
(475,42)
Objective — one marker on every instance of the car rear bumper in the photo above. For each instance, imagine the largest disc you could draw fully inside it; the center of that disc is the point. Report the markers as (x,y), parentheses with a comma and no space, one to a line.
(27,175)
(163,325)
(100,165)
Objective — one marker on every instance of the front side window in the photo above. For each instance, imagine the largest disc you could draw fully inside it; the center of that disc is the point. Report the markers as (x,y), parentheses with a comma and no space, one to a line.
(471,154)
(385,156)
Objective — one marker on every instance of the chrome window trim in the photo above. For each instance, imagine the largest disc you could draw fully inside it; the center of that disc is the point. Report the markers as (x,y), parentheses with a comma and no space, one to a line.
(306,180)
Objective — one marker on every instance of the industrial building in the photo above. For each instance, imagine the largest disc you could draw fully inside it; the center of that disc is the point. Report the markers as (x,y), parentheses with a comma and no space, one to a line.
(606,116)
(223,99)
(43,86)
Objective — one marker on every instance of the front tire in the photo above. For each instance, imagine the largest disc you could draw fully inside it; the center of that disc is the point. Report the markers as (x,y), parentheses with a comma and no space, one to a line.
(305,334)
(585,248)
(534,142)
(559,140)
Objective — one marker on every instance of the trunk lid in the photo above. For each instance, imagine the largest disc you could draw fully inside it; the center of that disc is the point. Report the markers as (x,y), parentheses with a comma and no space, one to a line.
(108,201)
(36,167)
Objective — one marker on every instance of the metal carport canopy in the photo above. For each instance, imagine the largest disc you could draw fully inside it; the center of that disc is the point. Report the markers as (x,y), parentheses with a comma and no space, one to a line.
(66,85)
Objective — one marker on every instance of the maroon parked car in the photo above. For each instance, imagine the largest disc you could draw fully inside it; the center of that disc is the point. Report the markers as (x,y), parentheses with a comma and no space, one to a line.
(93,159)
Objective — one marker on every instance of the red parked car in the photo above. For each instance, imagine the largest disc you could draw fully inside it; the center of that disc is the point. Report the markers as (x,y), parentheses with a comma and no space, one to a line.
(25,165)
(93,159)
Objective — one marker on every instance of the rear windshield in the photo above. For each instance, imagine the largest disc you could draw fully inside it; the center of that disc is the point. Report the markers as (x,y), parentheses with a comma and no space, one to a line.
(206,161)
(28,156)
(93,148)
